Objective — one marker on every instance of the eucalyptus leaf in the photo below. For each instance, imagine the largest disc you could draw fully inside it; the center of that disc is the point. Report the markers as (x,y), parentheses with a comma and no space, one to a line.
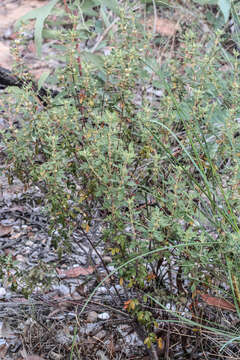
(206,2)
(104,16)
(225,7)
(51,34)
(40,15)
(159,2)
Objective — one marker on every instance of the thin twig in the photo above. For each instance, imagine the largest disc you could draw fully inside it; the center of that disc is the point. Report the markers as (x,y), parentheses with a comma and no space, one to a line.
(155,17)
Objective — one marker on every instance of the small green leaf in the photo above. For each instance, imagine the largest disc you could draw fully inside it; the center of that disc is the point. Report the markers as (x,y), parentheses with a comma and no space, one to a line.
(225,7)
(43,78)
(206,2)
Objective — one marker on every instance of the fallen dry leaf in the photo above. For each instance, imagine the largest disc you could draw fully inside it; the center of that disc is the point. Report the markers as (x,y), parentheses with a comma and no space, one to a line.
(5,230)
(6,331)
(217,302)
(33,357)
(16,236)
(25,356)
(3,350)
(164,27)
(75,272)
(5,56)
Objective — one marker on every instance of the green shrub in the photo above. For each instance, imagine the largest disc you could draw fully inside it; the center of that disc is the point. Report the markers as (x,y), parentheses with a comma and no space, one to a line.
(163,172)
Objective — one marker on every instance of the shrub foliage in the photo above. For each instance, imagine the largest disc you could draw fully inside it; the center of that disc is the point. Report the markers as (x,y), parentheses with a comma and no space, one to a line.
(153,149)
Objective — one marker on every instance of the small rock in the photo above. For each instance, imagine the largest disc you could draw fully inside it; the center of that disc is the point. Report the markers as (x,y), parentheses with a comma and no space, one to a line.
(117,287)
(104,316)
(133,340)
(27,250)
(102,290)
(63,290)
(55,356)
(107,259)
(111,268)
(29,243)
(123,329)
(92,316)
(101,334)
(2,342)
(2,292)
(101,355)
(63,338)
(86,330)
(20,258)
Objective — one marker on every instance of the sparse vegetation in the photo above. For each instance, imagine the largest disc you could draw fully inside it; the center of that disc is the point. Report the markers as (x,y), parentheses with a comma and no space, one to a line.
(152,148)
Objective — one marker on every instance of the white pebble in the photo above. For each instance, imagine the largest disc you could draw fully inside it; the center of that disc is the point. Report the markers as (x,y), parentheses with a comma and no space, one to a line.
(104,316)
